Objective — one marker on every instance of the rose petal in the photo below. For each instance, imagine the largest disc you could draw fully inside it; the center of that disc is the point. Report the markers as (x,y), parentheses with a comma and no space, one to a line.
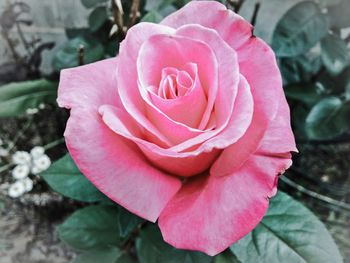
(258,64)
(195,161)
(230,26)
(127,77)
(210,213)
(72,94)
(162,51)
(115,166)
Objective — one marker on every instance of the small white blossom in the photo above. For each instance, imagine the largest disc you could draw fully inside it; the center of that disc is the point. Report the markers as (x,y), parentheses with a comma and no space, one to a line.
(21,171)
(37,152)
(1,142)
(28,184)
(16,189)
(21,157)
(42,106)
(3,152)
(41,164)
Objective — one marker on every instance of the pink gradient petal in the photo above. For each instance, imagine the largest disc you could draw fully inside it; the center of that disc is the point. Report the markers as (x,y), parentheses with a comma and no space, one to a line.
(195,161)
(127,77)
(162,51)
(231,27)
(180,164)
(210,213)
(258,64)
(115,166)
(72,94)
(189,101)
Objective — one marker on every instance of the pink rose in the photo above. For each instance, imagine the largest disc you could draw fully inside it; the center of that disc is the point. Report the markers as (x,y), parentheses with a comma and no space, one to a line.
(188,125)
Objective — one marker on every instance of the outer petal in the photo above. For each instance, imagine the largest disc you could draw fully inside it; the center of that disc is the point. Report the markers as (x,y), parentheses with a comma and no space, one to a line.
(114,165)
(231,27)
(258,64)
(210,213)
(71,93)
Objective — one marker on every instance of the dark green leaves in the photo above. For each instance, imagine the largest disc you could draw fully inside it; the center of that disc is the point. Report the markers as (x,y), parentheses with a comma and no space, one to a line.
(104,255)
(289,232)
(16,98)
(328,119)
(65,178)
(98,227)
(335,54)
(97,18)
(299,30)
(92,3)
(68,55)
(152,249)
(308,94)
(92,227)
(339,15)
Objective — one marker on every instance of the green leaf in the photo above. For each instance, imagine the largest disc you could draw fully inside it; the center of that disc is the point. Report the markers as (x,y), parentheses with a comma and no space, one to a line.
(68,56)
(92,227)
(329,2)
(151,248)
(226,257)
(299,30)
(157,5)
(327,119)
(300,69)
(306,93)
(335,54)
(127,222)
(16,98)
(91,3)
(106,255)
(64,177)
(339,15)
(289,232)
(97,18)
(152,17)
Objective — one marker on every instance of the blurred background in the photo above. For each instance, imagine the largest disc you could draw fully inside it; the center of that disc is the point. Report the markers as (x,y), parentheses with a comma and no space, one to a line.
(40,37)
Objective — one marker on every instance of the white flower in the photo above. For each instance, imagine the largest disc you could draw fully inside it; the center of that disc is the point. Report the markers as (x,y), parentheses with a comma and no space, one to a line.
(16,189)
(42,106)
(21,157)
(41,164)
(3,152)
(37,152)
(1,142)
(21,171)
(28,184)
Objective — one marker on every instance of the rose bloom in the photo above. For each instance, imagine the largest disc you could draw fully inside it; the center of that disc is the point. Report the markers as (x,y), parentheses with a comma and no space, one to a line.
(188,125)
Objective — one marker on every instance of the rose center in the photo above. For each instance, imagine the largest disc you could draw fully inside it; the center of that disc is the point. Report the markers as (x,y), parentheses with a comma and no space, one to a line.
(174,83)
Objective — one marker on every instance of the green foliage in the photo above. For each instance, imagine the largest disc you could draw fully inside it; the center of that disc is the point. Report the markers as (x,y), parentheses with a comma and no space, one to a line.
(64,177)
(97,18)
(68,55)
(335,54)
(16,98)
(104,255)
(92,3)
(151,248)
(308,94)
(328,118)
(299,30)
(289,232)
(339,15)
(98,227)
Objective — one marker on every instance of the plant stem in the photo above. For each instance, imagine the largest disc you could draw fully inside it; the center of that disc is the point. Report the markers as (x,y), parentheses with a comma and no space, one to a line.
(313,194)
(53,144)
(134,13)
